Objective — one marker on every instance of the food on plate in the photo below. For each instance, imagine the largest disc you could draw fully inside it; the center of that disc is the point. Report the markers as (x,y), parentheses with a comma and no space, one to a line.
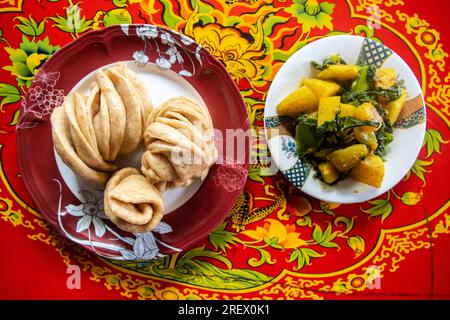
(369,171)
(344,117)
(299,101)
(81,137)
(100,119)
(132,202)
(339,72)
(385,78)
(89,133)
(328,108)
(64,147)
(348,158)
(116,113)
(179,141)
(321,88)
(335,68)
(141,90)
(394,107)
(97,128)
(329,172)
(133,122)
(346,110)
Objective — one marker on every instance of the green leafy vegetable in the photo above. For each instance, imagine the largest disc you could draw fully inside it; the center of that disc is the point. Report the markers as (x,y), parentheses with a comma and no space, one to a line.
(384,137)
(342,124)
(381,111)
(362,89)
(361,83)
(390,94)
(365,80)
(306,134)
(329,135)
(359,97)
(333,59)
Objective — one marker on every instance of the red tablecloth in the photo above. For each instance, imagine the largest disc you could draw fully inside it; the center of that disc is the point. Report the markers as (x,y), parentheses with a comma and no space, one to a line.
(395,246)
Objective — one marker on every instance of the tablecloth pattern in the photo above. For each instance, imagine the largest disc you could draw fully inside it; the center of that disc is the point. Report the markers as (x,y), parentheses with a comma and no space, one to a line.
(277,243)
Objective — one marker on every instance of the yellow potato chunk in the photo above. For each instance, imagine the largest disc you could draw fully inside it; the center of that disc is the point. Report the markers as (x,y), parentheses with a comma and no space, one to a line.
(369,171)
(322,88)
(301,100)
(328,108)
(341,72)
(328,172)
(348,158)
(347,110)
(385,78)
(393,108)
(367,112)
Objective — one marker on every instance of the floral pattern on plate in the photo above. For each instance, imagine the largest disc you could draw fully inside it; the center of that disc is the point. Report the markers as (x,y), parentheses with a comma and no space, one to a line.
(169,56)
(42,98)
(289,147)
(91,215)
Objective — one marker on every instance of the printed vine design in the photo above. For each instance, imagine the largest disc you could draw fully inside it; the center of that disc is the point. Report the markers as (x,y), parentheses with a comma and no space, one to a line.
(75,23)
(372,7)
(432,143)
(25,62)
(276,235)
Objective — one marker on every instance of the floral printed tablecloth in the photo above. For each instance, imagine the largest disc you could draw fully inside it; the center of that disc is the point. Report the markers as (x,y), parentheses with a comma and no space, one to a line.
(277,242)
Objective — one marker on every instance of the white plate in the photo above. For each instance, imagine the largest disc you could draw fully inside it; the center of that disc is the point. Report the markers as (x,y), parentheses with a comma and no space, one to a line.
(409,131)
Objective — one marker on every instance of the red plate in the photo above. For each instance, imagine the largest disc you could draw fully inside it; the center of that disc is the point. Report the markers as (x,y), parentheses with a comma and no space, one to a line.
(145,44)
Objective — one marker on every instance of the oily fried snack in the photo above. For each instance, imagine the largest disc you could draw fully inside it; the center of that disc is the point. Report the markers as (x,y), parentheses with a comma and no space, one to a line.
(100,120)
(142,92)
(90,132)
(79,131)
(133,107)
(120,105)
(116,112)
(179,144)
(83,117)
(65,149)
(132,202)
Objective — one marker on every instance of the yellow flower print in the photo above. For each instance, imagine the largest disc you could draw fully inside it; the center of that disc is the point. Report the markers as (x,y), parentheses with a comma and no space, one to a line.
(239,55)
(357,244)
(411,198)
(277,235)
(312,14)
